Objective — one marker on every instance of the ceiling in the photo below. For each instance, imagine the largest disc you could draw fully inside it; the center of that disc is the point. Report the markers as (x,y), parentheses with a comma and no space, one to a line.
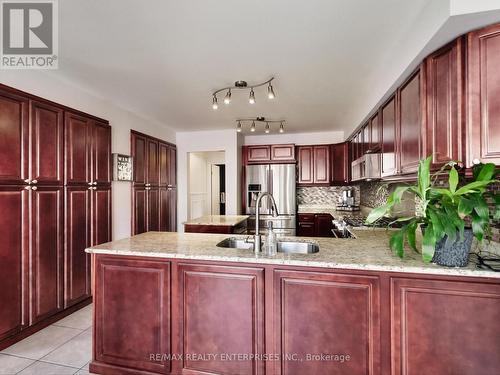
(332,59)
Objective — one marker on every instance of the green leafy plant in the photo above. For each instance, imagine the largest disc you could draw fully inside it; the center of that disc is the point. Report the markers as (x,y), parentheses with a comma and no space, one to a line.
(442,211)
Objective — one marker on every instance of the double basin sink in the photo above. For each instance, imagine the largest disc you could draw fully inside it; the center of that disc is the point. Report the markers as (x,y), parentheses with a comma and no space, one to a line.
(290,247)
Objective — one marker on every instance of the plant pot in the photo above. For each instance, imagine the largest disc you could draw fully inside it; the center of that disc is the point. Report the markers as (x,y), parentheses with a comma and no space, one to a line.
(455,254)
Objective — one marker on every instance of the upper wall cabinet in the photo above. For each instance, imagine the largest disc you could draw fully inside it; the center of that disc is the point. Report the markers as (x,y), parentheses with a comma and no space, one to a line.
(411,103)
(260,154)
(389,142)
(483,101)
(444,124)
(340,163)
(375,134)
(313,165)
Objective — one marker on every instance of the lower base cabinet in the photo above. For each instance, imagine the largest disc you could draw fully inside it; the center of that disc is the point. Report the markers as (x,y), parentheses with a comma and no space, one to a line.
(445,328)
(319,315)
(132,313)
(155,316)
(221,313)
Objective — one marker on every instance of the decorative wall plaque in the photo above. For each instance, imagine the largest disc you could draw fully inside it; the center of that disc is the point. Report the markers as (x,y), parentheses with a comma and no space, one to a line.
(122,167)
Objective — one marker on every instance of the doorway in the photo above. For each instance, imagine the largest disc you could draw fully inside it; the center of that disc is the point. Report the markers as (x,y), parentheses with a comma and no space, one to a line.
(218,189)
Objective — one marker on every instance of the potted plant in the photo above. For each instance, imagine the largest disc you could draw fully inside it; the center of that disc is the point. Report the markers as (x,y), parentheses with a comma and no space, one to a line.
(442,213)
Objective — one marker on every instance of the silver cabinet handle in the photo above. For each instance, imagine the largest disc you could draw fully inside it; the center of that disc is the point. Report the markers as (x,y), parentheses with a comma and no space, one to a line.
(90,183)
(27,187)
(90,187)
(34,188)
(34,181)
(94,183)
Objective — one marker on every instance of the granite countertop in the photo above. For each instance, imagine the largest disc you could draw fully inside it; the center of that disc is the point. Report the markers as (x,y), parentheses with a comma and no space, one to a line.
(322,209)
(369,251)
(221,220)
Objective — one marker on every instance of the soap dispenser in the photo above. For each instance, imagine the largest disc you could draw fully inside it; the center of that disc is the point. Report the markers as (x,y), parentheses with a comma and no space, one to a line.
(271,246)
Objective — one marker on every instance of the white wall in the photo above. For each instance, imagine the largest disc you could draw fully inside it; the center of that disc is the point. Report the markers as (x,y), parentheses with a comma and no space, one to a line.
(45,85)
(295,138)
(458,7)
(215,140)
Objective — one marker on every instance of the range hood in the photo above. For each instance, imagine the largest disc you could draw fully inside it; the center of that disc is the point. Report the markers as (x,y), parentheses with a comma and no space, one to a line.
(366,168)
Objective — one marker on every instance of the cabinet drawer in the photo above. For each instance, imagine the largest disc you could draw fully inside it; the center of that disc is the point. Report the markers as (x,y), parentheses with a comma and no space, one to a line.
(306,218)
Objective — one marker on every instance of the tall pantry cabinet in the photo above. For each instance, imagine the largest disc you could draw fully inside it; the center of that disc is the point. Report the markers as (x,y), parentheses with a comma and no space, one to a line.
(49,212)
(154,192)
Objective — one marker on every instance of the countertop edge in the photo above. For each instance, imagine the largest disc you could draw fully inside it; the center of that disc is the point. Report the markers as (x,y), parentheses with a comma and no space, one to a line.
(289,262)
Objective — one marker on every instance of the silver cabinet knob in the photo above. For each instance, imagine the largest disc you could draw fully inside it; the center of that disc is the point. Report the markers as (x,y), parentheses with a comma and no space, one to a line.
(27,187)
(34,188)
(94,188)
(94,183)
(90,183)
(34,181)
(28,181)
(476,161)
(90,187)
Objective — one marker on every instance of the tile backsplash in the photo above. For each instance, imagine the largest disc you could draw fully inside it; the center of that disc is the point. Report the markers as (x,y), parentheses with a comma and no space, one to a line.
(324,195)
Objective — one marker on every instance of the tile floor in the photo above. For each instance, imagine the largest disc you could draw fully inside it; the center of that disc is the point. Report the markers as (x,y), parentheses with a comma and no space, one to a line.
(64,347)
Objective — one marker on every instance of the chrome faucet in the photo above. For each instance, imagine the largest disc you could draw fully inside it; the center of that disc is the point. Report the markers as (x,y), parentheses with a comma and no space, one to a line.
(257,218)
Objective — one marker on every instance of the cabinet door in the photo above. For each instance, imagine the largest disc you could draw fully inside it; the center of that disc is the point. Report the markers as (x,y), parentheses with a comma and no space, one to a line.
(140,158)
(168,211)
(346,322)
(163,166)
(78,149)
(306,229)
(46,263)
(47,144)
(132,313)
(483,80)
(172,167)
(324,225)
(443,135)
(321,164)
(221,311)
(153,207)
(77,262)
(375,133)
(256,154)
(283,153)
(361,142)
(340,165)
(153,175)
(101,154)
(14,138)
(389,131)
(447,320)
(305,165)
(367,136)
(101,215)
(410,123)
(139,212)
(13,251)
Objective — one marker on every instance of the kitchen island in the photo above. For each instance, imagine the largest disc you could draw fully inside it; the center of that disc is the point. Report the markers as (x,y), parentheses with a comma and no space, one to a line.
(176,303)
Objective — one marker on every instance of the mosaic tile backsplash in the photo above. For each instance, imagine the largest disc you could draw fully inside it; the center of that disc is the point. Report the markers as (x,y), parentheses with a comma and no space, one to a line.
(324,195)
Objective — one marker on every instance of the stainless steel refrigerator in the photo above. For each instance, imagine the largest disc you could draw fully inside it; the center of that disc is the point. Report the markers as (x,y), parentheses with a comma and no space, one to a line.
(279,180)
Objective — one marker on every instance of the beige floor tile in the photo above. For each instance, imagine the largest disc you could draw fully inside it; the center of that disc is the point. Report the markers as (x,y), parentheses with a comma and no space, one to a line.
(12,365)
(81,319)
(76,352)
(39,368)
(42,343)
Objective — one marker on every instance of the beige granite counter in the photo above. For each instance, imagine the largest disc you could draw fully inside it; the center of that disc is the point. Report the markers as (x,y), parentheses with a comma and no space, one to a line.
(220,220)
(369,251)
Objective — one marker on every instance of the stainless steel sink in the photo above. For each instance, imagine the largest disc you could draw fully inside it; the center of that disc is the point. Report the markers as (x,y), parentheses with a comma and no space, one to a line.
(289,247)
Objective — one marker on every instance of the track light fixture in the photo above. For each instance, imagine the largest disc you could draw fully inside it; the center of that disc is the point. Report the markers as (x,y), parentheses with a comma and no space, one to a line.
(243,85)
(252,120)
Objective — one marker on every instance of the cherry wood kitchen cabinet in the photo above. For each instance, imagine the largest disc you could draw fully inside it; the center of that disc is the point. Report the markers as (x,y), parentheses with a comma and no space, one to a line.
(101,153)
(14,257)
(315,225)
(483,86)
(389,138)
(313,165)
(278,153)
(14,139)
(335,326)
(154,198)
(444,327)
(221,310)
(340,163)
(411,102)
(47,252)
(132,313)
(77,239)
(101,215)
(367,135)
(445,107)
(375,143)
(47,144)
(78,149)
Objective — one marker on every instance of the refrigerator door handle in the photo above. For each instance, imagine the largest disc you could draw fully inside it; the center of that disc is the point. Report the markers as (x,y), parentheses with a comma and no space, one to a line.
(270,189)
